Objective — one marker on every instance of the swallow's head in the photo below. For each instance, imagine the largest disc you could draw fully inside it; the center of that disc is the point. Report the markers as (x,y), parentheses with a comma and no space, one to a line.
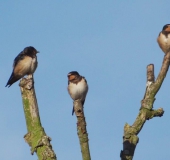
(166,28)
(73,75)
(30,50)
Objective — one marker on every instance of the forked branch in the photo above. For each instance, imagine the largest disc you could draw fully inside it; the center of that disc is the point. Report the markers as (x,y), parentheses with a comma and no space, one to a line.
(146,112)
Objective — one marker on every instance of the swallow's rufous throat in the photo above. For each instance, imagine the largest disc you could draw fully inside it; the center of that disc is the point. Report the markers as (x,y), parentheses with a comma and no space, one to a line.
(77,87)
(24,64)
(164,38)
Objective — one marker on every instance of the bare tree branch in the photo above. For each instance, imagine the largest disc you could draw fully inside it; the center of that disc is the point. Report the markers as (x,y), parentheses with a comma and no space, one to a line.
(81,130)
(36,136)
(130,138)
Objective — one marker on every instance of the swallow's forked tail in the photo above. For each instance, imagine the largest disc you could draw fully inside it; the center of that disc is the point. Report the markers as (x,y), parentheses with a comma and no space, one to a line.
(73,111)
(12,80)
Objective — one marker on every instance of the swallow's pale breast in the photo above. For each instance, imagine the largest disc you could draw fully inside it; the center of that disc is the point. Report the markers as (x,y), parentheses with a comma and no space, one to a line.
(78,90)
(77,87)
(25,66)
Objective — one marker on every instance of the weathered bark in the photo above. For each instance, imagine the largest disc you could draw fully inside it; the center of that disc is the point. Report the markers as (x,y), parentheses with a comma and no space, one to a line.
(81,130)
(36,136)
(130,138)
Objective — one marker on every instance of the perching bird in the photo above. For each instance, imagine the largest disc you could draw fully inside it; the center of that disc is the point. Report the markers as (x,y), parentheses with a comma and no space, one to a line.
(77,87)
(164,38)
(24,64)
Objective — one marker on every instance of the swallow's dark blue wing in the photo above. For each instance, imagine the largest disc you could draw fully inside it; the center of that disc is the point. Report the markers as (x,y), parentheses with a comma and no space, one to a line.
(18,58)
(13,78)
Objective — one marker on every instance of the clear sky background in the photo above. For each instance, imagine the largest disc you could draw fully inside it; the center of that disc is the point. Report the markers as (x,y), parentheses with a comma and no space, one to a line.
(108,42)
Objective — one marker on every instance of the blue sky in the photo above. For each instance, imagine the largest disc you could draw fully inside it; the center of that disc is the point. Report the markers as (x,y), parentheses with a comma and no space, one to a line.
(108,42)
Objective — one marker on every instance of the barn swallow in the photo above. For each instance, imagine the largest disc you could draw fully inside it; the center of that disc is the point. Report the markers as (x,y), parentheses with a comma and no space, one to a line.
(164,38)
(77,87)
(24,64)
